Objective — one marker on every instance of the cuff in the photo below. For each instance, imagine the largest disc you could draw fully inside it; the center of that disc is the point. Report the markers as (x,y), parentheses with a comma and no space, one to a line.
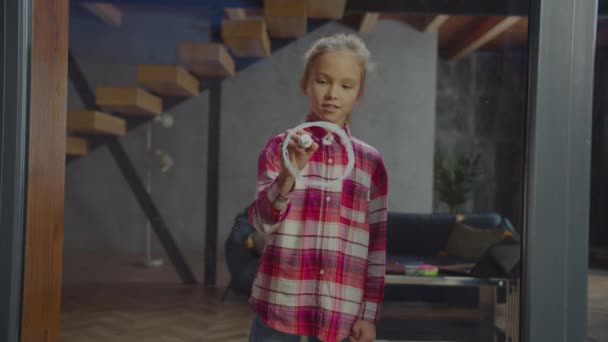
(278,200)
(369,311)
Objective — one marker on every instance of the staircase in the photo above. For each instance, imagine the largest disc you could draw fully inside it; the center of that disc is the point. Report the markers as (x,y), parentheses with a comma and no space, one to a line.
(245,33)
(118,105)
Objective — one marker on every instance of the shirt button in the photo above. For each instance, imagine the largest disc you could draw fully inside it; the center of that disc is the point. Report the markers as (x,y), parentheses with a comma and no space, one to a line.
(328,198)
(321,272)
(330,160)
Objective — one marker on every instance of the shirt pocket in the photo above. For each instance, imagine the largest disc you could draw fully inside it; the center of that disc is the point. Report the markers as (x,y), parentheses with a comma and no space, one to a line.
(355,202)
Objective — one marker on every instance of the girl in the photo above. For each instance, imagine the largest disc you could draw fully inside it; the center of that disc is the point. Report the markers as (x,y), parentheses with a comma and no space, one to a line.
(322,270)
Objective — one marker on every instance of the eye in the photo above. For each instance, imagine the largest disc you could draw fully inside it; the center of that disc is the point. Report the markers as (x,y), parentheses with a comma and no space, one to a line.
(320,81)
(347,86)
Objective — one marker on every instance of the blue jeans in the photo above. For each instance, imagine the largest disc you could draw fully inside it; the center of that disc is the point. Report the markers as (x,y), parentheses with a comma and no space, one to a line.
(260,332)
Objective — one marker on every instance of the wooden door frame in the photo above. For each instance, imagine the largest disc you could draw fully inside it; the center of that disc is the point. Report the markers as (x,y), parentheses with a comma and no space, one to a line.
(34,110)
(43,252)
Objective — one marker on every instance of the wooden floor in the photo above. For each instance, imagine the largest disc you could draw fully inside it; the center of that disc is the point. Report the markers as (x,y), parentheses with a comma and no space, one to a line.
(151,312)
(598,306)
(114,299)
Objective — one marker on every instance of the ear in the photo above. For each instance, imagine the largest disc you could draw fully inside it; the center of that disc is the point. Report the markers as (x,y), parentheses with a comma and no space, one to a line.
(304,86)
(360,95)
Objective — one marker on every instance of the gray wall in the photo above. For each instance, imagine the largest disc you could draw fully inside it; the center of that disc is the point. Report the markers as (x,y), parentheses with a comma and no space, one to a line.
(397,115)
(481,108)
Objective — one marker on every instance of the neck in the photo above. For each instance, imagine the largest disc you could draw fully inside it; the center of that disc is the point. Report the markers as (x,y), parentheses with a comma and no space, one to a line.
(314,117)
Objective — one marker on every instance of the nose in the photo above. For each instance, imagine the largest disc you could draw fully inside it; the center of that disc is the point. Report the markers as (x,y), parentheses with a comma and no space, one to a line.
(331,92)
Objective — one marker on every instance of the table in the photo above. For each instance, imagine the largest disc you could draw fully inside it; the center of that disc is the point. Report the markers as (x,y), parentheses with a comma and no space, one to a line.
(488,288)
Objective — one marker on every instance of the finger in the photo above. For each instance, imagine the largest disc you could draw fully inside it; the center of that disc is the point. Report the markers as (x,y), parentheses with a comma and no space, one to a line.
(285,138)
(313,148)
(296,133)
(356,332)
(352,339)
(295,149)
(295,136)
(302,134)
(292,145)
(296,140)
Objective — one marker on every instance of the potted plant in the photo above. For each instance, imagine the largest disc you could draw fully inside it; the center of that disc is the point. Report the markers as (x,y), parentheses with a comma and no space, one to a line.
(456,177)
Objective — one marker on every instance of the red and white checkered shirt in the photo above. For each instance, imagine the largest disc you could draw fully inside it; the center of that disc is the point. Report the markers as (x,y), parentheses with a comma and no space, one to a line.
(324,260)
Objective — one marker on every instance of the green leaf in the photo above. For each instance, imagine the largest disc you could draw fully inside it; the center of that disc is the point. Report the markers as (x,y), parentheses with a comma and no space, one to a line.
(456,177)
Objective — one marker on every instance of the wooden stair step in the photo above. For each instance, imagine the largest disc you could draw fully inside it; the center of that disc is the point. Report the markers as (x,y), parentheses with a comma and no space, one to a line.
(286,18)
(368,22)
(106,12)
(167,80)
(206,59)
(246,37)
(76,146)
(129,101)
(324,9)
(95,122)
(235,13)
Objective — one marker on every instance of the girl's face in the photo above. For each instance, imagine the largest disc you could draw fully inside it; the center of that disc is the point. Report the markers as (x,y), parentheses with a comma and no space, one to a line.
(333,86)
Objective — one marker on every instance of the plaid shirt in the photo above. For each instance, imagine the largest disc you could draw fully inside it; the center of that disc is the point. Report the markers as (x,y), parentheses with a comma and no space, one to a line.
(324,260)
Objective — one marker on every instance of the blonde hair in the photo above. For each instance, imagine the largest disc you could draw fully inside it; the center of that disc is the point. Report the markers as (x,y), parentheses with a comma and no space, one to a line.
(339,42)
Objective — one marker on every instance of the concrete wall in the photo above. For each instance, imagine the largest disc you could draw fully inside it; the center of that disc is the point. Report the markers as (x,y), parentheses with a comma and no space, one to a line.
(101,211)
(481,108)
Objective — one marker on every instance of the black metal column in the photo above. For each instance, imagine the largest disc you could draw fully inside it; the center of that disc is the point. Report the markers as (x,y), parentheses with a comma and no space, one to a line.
(213,161)
(147,204)
(598,225)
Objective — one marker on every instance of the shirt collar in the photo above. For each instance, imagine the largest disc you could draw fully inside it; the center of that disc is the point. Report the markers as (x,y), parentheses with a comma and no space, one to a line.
(320,132)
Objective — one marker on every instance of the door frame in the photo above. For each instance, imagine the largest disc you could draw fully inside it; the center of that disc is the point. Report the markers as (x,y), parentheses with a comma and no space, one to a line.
(558,164)
(558,154)
(15,26)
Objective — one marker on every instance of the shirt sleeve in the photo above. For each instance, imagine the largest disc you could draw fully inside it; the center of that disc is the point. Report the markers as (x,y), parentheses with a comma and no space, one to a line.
(270,207)
(374,286)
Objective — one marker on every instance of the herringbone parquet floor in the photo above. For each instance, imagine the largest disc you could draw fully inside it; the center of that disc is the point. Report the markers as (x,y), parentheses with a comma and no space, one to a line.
(108,299)
(111,298)
(164,313)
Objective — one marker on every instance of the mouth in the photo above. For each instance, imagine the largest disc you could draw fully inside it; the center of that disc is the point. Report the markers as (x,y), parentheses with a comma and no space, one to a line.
(330,108)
